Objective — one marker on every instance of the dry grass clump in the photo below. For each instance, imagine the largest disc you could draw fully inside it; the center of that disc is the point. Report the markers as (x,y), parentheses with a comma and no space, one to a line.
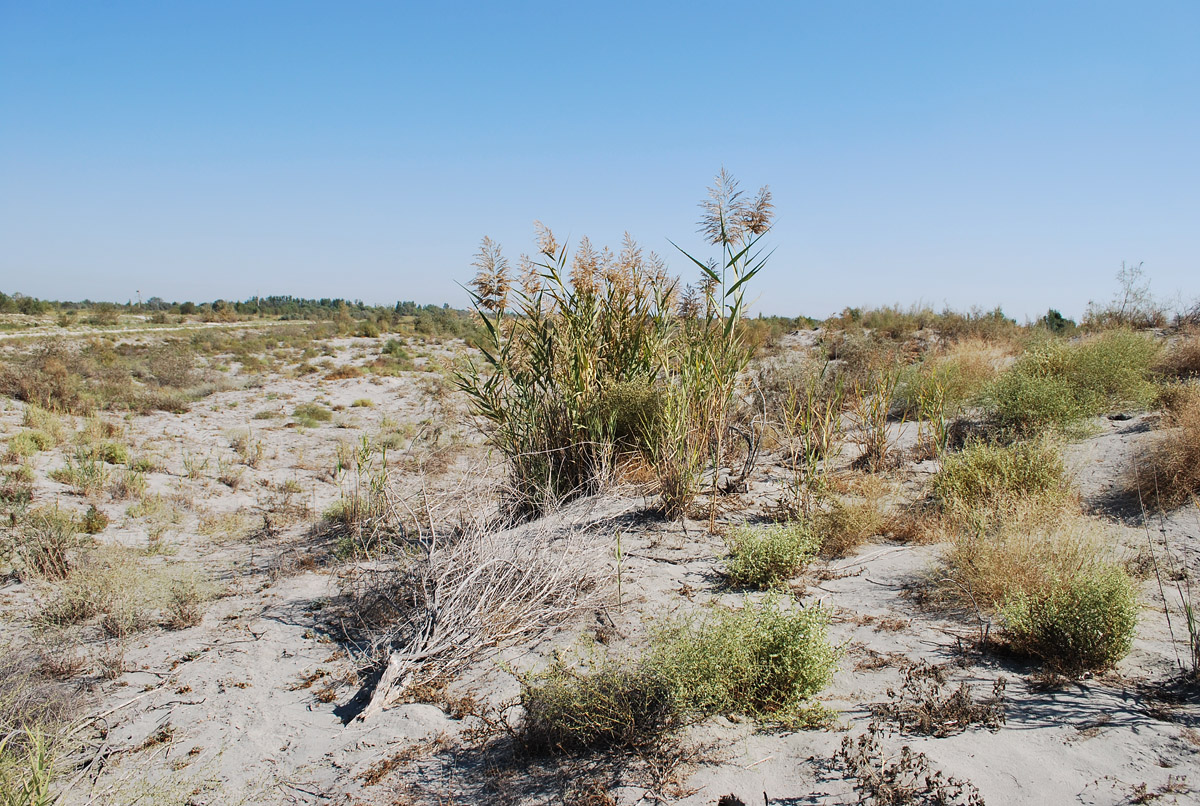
(1167,472)
(44,544)
(766,660)
(1056,590)
(113,588)
(768,556)
(842,525)
(1181,359)
(987,484)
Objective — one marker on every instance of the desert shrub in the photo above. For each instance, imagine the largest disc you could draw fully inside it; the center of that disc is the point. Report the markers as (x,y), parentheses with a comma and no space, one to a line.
(82,472)
(958,375)
(44,543)
(27,443)
(978,487)
(768,556)
(843,525)
(311,415)
(16,488)
(395,349)
(1167,471)
(127,483)
(1055,384)
(344,372)
(47,377)
(767,659)
(1081,622)
(363,403)
(113,453)
(557,344)
(1181,359)
(1131,306)
(570,711)
(38,419)
(94,521)
(171,365)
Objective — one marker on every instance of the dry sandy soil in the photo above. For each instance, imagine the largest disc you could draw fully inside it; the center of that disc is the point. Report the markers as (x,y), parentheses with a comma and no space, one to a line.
(255,703)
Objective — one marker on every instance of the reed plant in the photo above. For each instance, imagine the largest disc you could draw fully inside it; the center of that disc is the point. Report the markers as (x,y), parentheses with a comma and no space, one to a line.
(575,328)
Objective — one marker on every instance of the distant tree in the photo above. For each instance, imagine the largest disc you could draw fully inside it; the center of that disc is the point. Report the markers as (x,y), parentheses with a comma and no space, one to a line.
(1055,322)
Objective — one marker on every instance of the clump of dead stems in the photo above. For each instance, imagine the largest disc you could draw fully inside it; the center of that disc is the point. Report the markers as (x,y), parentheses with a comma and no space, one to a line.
(448,599)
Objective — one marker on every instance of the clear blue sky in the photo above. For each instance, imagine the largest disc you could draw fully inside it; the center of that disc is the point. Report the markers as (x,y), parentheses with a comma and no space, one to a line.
(954,153)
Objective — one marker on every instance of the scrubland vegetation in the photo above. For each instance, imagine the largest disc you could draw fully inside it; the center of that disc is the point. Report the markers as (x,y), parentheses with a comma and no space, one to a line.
(589,537)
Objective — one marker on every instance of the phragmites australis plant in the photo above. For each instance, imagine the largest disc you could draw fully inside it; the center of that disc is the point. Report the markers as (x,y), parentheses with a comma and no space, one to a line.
(594,354)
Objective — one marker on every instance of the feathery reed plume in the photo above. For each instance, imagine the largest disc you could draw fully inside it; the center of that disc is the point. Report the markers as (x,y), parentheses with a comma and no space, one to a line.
(492,282)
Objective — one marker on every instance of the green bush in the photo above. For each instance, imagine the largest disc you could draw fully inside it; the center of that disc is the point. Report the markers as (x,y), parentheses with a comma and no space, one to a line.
(1055,384)
(765,660)
(762,660)
(983,482)
(395,349)
(113,453)
(570,711)
(768,556)
(1081,623)
(28,443)
(311,415)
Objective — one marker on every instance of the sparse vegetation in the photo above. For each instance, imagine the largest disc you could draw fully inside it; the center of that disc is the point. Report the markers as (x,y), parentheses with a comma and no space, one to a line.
(768,556)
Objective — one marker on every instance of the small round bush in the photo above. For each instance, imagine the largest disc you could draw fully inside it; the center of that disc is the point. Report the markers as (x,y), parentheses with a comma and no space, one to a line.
(1077,624)
(768,556)
(766,659)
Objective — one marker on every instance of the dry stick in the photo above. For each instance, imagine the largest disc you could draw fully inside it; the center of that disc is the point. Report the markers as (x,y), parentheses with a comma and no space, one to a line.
(1154,558)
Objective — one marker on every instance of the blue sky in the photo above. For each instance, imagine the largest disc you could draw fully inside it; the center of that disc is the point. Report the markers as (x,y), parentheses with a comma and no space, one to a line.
(961,153)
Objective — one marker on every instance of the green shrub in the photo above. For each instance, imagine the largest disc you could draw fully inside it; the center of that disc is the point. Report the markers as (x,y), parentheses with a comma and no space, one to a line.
(762,660)
(395,349)
(1055,384)
(1084,622)
(634,410)
(571,711)
(27,443)
(765,660)
(83,472)
(311,415)
(978,486)
(113,453)
(768,556)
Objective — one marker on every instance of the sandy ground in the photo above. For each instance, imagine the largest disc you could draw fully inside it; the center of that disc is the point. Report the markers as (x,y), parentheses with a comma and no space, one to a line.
(253,704)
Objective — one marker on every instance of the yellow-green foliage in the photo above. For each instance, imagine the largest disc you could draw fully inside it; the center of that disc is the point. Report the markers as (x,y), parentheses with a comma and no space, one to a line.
(27,443)
(44,543)
(311,415)
(570,711)
(1081,622)
(1167,471)
(768,556)
(115,588)
(1055,384)
(768,659)
(981,485)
